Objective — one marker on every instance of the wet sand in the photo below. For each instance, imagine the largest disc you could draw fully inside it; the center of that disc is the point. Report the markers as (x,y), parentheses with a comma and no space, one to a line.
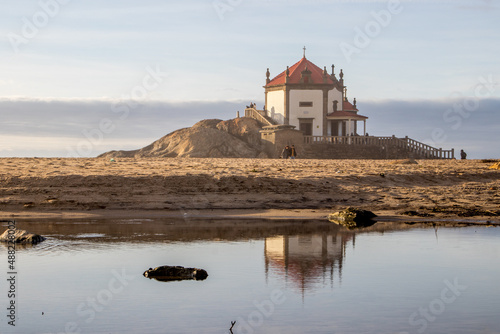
(431,190)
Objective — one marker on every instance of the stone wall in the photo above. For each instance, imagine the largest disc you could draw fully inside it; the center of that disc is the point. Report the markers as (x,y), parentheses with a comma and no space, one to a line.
(344,151)
(275,140)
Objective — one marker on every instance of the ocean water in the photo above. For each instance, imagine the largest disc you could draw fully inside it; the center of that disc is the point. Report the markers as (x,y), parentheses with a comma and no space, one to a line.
(268,276)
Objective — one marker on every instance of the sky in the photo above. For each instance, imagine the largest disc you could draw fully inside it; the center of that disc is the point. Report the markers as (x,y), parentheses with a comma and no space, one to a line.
(79,78)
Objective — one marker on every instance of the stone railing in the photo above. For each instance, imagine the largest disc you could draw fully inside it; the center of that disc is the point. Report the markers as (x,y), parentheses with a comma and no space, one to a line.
(428,150)
(409,144)
(260,115)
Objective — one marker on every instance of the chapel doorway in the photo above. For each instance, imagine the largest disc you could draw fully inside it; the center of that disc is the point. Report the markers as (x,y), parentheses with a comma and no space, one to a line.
(306,126)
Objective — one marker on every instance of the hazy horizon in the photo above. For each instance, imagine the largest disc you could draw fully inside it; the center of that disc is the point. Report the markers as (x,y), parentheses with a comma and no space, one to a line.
(87,128)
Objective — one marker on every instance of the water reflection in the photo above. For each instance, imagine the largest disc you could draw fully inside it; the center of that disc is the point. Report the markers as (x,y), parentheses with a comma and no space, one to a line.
(302,259)
(170,230)
(389,277)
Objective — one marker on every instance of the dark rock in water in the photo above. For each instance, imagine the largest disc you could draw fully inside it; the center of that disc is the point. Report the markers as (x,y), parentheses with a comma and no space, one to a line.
(21,237)
(352,218)
(175,273)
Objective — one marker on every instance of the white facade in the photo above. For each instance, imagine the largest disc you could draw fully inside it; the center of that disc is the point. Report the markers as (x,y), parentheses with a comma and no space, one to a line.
(314,112)
(276,105)
(335,95)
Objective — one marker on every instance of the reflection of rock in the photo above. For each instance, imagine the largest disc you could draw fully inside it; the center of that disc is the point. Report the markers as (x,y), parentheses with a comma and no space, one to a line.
(175,273)
(352,217)
(21,237)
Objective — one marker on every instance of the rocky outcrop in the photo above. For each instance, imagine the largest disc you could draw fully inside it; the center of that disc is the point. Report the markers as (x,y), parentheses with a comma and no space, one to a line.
(353,218)
(211,138)
(246,129)
(175,273)
(21,237)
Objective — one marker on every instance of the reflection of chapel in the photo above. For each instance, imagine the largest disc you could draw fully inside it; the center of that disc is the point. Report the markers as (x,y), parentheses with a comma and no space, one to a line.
(312,100)
(305,260)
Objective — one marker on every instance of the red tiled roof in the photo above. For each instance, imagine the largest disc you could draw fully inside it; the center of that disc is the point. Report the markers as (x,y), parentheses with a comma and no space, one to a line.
(295,73)
(348,106)
(346,114)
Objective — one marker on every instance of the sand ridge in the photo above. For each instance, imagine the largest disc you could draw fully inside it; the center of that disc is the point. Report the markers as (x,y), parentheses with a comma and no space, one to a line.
(430,188)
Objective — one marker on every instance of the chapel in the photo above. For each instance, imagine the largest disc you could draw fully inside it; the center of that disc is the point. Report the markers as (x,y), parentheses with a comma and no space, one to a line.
(312,100)
(308,107)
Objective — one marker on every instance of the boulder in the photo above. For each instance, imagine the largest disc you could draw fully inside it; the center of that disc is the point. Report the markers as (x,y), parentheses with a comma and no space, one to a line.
(353,218)
(175,273)
(21,237)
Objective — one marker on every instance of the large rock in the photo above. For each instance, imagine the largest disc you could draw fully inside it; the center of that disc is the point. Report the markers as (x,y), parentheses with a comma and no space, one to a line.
(175,273)
(21,237)
(211,138)
(244,128)
(352,218)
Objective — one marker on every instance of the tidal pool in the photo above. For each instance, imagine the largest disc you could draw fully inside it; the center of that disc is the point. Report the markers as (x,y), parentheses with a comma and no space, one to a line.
(268,276)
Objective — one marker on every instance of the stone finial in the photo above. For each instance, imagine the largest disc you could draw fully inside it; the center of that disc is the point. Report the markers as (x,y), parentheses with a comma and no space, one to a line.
(305,76)
(287,74)
(341,75)
(354,102)
(333,69)
(345,94)
(267,76)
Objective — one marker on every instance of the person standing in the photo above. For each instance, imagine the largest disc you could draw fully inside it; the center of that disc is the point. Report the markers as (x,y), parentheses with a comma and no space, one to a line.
(293,152)
(463,155)
(285,154)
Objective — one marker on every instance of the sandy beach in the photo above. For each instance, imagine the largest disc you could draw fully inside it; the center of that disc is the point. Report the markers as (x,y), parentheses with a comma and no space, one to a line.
(449,190)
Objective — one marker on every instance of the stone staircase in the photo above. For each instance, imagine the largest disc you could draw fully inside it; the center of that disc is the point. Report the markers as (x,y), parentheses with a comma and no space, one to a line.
(260,115)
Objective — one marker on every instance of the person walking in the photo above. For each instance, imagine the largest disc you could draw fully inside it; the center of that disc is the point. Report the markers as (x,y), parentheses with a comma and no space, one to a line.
(293,152)
(285,154)
(463,155)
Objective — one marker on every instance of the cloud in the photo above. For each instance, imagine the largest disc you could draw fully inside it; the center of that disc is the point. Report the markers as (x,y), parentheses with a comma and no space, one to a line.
(470,124)
(70,127)
(97,125)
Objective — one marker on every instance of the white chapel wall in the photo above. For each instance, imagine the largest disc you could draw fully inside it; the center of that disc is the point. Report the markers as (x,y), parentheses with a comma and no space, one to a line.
(276,105)
(315,112)
(333,95)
